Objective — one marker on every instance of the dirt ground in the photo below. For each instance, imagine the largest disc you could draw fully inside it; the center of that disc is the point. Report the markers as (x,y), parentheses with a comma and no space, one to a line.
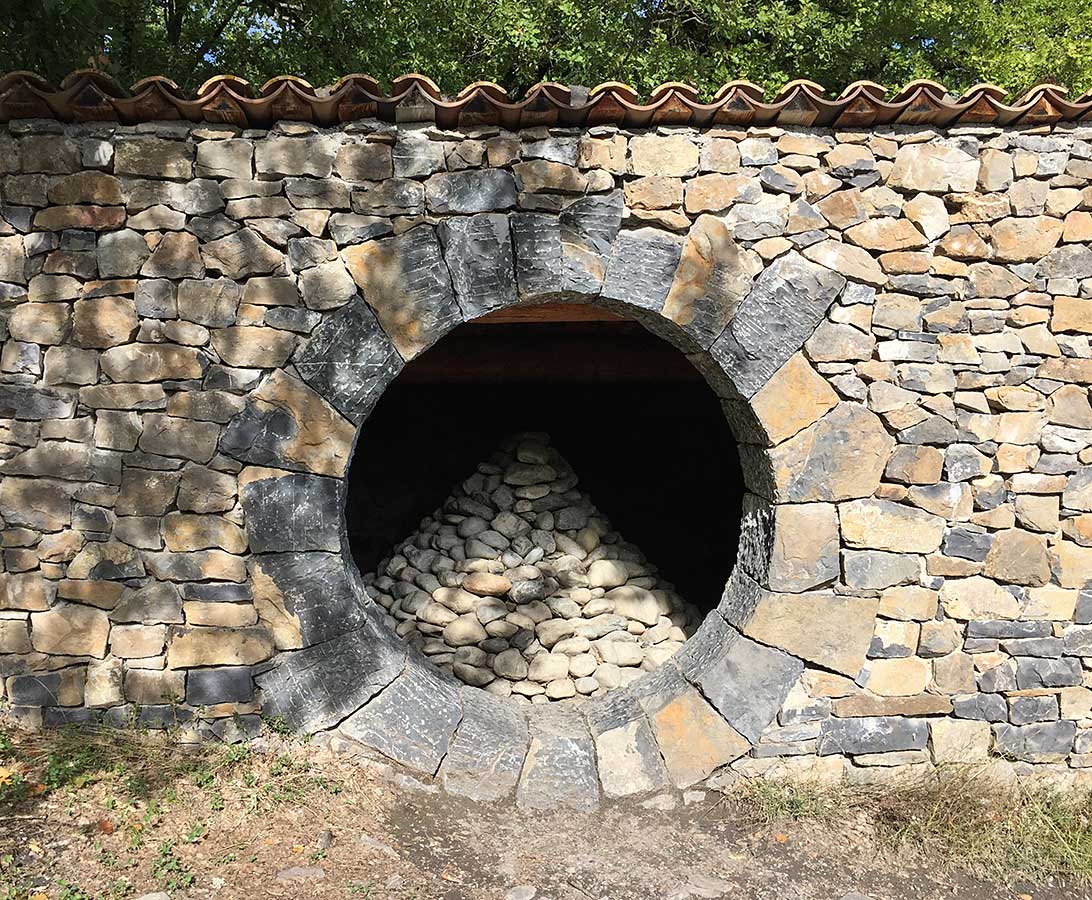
(293,821)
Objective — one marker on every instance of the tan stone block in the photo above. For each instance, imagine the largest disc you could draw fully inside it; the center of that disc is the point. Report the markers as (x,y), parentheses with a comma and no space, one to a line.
(283,625)
(911,464)
(204,490)
(1016,458)
(840,457)
(654,192)
(103,687)
(954,673)
(827,629)
(103,322)
(908,602)
(866,704)
(1069,406)
(1018,557)
(147,687)
(1079,529)
(903,677)
(1025,239)
(592,153)
(826,684)
(205,646)
(323,439)
(39,504)
(1078,228)
(655,154)
(196,565)
(939,638)
(136,641)
(934,168)
(1020,427)
(1076,702)
(954,741)
(716,193)
(69,629)
(720,155)
(40,323)
(694,740)
(253,346)
(794,398)
(151,362)
(1050,602)
(224,615)
(886,234)
(854,262)
(182,532)
(977,598)
(25,591)
(929,213)
(805,547)
(89,218)
(1039,513)
(882,525)
(996,173)
(1071,563)
(14,636)
(100,594)
(712,278)
(1072,314)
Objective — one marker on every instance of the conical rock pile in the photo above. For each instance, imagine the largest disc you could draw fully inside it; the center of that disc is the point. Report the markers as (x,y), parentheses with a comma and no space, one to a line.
(518,585)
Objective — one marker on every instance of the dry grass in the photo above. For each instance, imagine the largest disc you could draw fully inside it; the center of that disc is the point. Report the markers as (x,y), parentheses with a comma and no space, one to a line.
(959,815)
(108,815)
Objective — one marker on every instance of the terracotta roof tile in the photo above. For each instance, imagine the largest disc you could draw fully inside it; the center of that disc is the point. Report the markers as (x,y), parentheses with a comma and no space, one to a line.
(87,95)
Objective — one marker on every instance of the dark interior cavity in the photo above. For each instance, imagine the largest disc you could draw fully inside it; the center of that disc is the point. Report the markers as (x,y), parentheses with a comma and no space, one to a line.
(643,432)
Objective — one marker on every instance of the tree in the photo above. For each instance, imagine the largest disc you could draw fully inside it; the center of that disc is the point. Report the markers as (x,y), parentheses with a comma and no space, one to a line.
(517,43)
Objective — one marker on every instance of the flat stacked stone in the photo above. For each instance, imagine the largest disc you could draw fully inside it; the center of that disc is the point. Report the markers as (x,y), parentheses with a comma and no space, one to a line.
(520,586)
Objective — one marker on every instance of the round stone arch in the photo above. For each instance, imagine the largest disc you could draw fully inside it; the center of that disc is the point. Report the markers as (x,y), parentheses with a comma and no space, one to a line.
(741,325)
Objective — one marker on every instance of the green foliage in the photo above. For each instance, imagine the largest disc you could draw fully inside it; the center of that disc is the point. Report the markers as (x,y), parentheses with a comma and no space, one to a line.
(517,43)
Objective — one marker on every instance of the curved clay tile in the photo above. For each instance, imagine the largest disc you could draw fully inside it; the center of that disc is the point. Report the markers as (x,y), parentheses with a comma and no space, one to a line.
(91,95)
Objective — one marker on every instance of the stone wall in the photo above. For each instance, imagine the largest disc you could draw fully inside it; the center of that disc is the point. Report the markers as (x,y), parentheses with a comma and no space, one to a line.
(197,321)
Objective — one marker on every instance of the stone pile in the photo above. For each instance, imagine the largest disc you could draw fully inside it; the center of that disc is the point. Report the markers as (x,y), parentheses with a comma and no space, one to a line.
(518,585)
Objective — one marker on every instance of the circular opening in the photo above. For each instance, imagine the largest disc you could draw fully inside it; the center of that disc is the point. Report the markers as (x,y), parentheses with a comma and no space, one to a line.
(579,469)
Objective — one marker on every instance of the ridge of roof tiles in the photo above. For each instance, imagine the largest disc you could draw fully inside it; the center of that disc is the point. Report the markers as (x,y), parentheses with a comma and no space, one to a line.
(88,95)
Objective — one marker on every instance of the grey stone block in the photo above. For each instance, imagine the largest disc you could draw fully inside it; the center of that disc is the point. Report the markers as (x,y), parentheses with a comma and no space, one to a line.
(740,598)
(873,734)
(485,757)
(536,238)
(560,770)
(588,229)
(1003,629)
(1032,673)
(1041,742)
(782,310)
(227,684)
(878,569)
(317,687)
(641,267)
(320,593)
(293,512)
(748,684)
(659,687)
(37,689)
(1026,710)
(27,401)
(349,360)
(471,191)
(706,646)
(984,707)
(412,721)
(405,280)
(478,253)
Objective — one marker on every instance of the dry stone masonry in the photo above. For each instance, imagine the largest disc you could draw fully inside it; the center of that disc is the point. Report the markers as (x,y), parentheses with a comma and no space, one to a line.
(197,319)
(519,585)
